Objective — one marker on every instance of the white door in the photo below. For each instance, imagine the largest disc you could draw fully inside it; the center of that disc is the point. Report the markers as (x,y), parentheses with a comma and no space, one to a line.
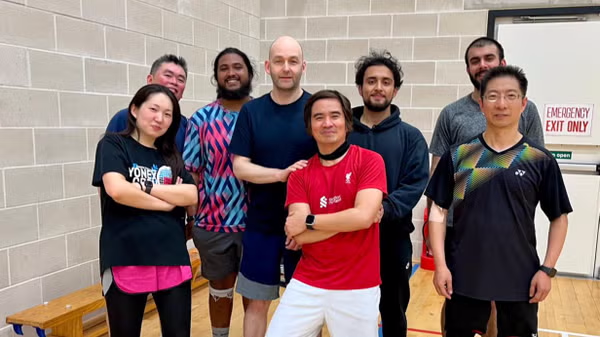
(579,251)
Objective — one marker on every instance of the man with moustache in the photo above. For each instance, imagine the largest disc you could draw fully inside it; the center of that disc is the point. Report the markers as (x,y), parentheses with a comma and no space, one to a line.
(462,120)
(220,216)
(270,142)
(378,127)
(170,71)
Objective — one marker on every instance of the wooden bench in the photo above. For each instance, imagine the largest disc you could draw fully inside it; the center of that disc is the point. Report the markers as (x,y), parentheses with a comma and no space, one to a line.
(65,314)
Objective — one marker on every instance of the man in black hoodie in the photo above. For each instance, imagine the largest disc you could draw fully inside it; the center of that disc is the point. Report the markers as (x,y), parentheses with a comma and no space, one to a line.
(378,127)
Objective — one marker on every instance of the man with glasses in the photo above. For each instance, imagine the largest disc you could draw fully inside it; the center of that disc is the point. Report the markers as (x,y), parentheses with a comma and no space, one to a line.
(462,120)
(494,183)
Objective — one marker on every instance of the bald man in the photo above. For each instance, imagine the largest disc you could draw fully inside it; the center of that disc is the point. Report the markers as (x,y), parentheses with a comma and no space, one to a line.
(270,142)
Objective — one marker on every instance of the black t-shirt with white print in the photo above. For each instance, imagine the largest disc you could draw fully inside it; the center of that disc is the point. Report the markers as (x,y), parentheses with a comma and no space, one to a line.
(491,250)
(132,236)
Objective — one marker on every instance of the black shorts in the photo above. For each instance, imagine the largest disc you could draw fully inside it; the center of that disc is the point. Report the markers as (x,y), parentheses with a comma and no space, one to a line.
(467,316)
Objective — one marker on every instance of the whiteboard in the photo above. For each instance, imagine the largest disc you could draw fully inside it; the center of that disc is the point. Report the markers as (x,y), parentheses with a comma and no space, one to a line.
(562,64)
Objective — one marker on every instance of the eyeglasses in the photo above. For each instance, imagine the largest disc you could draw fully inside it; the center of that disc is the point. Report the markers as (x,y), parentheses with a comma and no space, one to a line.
(496,97)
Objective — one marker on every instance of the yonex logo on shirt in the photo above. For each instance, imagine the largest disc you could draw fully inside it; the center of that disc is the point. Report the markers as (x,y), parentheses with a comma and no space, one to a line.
(520,173)
(162,175)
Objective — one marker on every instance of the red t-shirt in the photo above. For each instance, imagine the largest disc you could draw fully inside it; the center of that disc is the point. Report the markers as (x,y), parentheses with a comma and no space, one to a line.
(346,260)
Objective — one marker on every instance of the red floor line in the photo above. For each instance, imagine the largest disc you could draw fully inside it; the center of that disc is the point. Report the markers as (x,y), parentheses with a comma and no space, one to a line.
(425,331)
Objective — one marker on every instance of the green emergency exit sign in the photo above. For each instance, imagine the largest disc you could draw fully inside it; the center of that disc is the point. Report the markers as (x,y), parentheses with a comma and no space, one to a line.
(562,154)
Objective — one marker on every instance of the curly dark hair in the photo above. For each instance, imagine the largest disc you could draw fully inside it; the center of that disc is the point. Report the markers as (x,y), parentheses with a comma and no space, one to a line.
(376,58)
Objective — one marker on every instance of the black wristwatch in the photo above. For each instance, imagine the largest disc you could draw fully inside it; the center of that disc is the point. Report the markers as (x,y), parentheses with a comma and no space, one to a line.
(190,218)
(310,222)
(148,184)
(549,271)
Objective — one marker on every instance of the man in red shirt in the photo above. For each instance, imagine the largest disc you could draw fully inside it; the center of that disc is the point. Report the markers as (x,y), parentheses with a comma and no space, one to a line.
(333,206)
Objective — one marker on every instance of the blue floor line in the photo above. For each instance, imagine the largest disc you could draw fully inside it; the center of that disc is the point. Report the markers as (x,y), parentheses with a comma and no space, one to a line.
(414,270)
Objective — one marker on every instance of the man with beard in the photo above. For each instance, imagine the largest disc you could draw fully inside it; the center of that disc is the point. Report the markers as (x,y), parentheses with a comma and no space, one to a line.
(378,127)
(463,120)
(220,216)
(268,144)
(170,71)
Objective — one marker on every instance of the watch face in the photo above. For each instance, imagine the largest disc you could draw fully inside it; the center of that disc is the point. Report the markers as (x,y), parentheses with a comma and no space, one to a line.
(550,271)
(310,219)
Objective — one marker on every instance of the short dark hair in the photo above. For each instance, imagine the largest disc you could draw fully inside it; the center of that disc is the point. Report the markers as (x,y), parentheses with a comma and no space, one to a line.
(482,42)
(507,71)
(376,58)
(328,94)
(169,58)
(232,50)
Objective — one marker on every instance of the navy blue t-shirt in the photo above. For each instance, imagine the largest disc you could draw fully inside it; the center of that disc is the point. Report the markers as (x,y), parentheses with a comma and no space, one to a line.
(273,136)
(119,123)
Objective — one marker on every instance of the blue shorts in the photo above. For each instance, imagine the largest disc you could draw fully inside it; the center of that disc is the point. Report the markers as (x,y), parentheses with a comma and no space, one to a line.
(260,269)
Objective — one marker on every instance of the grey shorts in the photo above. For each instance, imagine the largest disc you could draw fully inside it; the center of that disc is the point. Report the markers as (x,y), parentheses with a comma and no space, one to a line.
(220,253)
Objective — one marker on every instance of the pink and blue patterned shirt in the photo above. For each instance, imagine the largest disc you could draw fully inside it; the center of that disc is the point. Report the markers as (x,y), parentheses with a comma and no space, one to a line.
(222,199)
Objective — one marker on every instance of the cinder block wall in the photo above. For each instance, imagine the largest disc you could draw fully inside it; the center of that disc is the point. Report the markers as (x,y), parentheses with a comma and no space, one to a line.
(67,67)
(429,37)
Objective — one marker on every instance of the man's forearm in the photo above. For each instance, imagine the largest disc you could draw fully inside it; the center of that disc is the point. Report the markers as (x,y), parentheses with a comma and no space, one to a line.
(437,236)
(196,177)
(350,220)
(435,160)
(556,239)
(191,210)
(312,236)
(256,174)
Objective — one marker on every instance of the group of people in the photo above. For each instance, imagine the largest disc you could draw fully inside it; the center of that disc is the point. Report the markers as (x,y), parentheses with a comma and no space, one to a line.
(303,182)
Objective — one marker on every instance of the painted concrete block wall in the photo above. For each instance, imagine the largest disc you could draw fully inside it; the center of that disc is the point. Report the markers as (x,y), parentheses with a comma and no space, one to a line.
(429,37)
(67,67)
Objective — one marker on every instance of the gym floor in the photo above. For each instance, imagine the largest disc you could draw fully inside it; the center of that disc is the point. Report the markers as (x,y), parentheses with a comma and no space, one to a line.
(572,309)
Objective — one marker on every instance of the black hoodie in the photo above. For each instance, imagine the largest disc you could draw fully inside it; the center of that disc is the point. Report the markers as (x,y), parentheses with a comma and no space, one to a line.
(404,151)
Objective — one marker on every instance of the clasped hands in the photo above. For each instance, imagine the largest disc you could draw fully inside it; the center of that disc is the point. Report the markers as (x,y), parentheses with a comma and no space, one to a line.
(295,224)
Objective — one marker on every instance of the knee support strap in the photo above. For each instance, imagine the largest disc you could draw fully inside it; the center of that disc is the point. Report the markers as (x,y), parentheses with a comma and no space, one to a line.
(217,294)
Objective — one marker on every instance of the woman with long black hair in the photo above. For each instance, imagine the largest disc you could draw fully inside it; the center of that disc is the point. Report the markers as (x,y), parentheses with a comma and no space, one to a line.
(143,189)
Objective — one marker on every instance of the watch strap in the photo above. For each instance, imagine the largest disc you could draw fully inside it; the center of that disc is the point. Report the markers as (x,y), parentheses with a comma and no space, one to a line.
(549,271)
(148,186)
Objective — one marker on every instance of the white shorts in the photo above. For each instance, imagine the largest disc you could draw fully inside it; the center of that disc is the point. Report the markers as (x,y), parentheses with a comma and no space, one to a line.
(304,309)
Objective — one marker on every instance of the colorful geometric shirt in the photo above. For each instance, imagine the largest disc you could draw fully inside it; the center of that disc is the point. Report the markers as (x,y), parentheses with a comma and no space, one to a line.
(222,200)
(491,249)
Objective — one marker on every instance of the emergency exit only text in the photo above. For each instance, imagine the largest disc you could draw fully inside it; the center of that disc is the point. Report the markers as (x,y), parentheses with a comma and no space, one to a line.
(568,119)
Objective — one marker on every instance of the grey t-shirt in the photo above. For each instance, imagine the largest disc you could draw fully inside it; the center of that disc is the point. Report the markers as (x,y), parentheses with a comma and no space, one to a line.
(463,120)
